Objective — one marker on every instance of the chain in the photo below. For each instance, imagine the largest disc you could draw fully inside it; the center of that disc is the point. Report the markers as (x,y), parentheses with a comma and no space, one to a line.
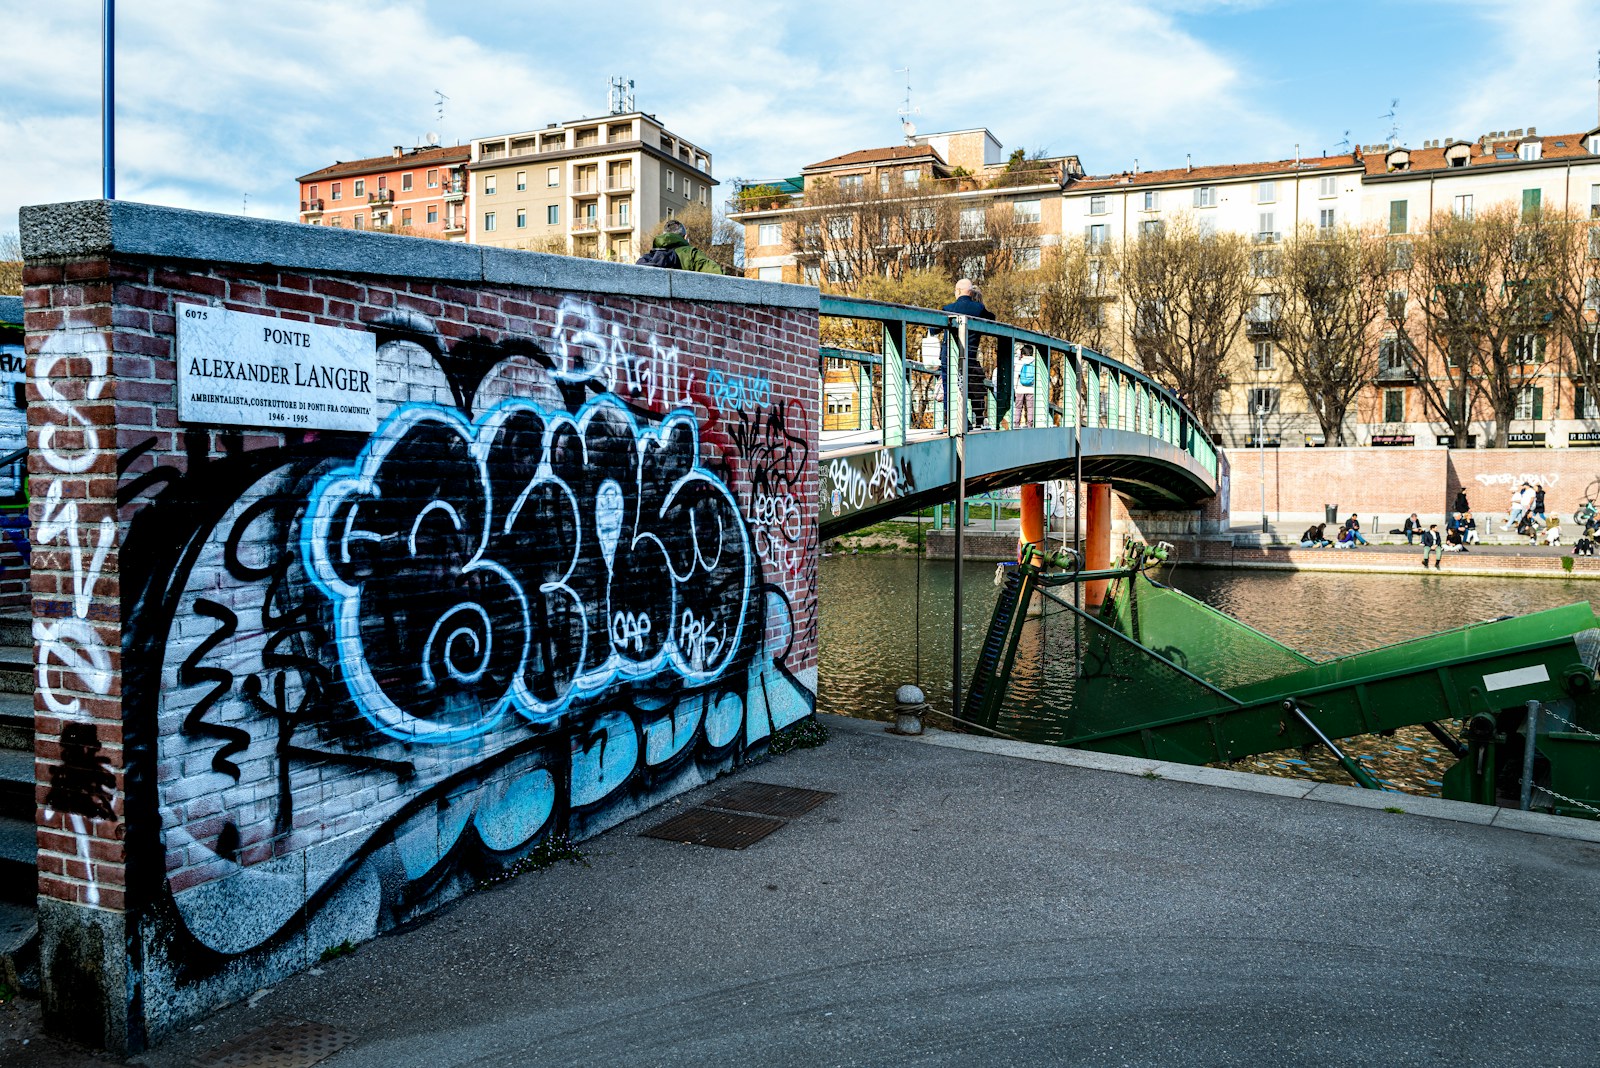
(1557,715)
(1568,800)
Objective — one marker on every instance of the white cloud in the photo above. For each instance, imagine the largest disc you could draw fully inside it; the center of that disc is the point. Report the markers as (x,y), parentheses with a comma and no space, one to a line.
(1537,67)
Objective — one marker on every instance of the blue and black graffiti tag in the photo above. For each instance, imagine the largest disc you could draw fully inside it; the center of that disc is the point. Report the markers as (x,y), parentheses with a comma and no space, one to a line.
(382,668)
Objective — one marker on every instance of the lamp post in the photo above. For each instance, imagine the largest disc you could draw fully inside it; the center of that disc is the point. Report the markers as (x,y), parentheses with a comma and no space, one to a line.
(1261,447)
(108,101)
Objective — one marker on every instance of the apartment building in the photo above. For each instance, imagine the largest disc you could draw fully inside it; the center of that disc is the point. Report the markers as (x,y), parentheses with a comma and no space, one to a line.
(966,169)
(590,187)
(420,191)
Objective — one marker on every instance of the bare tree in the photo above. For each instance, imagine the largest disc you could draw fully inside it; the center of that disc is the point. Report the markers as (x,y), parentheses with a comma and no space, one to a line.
(1484,305)
(10,264)
(1575,294)
(1067,296)
(1186,295)
(711,232)
(1327,293)
(858,226)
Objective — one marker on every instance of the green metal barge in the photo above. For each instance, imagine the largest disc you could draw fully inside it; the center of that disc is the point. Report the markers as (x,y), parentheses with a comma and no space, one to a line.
(1163,675)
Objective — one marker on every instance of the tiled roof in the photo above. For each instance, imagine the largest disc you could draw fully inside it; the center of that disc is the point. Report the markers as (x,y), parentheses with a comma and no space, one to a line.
(1570,146)
(1215,173)
(416,157)
(892,154)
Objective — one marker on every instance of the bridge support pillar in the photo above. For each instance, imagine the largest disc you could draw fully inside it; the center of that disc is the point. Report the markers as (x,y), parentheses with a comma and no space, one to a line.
(1096,539)
(1032,529)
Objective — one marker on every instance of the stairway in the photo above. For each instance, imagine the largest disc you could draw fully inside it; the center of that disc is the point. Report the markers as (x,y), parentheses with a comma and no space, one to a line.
(993,658)
(18,873)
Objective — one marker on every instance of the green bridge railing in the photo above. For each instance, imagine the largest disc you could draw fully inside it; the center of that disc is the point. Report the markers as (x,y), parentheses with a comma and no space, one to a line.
(1014,378)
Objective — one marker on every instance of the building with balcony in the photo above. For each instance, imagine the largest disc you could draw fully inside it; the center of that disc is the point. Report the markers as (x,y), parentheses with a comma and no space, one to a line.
(421,191)
(590,187)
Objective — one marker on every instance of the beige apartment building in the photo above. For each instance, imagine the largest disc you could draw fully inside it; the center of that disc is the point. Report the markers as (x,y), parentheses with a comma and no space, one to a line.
(591,187)
(966,168)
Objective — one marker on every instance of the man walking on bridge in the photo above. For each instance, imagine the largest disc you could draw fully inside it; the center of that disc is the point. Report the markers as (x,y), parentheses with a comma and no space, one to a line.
(671,249)
(968,304)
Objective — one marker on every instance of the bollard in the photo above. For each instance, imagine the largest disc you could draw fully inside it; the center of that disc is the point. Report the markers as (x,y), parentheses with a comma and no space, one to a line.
(909,705)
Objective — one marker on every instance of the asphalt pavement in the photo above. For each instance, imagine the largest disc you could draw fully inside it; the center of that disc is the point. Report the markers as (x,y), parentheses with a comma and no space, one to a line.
(956,907)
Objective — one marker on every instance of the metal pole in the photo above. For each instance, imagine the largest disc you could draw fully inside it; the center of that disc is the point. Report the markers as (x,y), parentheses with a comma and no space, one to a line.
(108,101)
(957,402)
(1527,755)
(1261,447)
(1077,467)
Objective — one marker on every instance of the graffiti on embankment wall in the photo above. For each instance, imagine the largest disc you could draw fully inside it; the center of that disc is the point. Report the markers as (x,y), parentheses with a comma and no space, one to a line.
(379,669)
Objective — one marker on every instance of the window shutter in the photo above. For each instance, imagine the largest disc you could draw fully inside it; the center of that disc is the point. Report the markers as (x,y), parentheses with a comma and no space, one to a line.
(1538,403)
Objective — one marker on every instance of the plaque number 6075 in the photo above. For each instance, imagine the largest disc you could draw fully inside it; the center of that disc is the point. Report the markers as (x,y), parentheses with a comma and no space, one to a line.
(194,313)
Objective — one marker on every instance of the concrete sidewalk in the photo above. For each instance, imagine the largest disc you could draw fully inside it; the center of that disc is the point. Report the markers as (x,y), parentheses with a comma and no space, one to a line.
(953,906)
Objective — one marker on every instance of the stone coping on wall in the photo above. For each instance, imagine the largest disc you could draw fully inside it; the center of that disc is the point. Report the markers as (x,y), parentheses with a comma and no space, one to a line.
(87,228)
(11,310)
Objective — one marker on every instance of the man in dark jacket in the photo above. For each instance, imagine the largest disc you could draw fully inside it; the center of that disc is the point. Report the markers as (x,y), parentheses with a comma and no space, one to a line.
(674,241)
(1432,544)
(966,303)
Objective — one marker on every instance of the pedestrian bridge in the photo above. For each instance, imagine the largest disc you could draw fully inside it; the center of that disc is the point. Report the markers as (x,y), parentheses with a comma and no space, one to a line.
(896,436)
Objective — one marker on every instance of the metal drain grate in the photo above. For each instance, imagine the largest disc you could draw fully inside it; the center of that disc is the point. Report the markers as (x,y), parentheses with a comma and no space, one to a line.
(282,1044)
(708,827)
(769,800)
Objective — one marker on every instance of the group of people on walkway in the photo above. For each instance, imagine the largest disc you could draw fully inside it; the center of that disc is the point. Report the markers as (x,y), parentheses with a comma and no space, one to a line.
(1349,535)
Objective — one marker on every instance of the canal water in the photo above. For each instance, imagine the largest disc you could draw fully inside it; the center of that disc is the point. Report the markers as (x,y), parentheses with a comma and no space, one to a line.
(871,641)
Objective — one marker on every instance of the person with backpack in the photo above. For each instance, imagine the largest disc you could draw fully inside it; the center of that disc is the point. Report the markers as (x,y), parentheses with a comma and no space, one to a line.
(671,249)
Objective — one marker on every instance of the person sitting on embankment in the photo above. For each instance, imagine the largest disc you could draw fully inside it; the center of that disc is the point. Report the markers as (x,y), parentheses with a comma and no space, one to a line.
(1313,539)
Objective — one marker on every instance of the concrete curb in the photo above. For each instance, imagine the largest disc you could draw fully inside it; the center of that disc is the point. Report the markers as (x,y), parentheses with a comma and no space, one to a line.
(1382,569)
(1353,796)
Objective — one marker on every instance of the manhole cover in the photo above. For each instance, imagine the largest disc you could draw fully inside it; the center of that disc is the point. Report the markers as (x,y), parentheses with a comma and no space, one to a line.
(284,1044)
(707,827)
(769,800)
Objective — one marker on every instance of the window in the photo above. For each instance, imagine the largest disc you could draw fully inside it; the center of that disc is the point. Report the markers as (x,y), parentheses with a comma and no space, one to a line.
(1455,403)
(552,177)
(1530,202)
(1263,263)
(361,187)
(405,216)
(433,178)
(1025,211)
(358,221)
(971,223)
(1529,150)
(1398,222)
(1266,226)
(1325,219)
(522,180)
(1098,234)
(838,271)
(488,220)
(769,234)
(1530,403)
(911,175)
(1263,355)
(1027,258)
(1585,404)
(552,215)
(433,213)
(1097,204)
(1594,201)
(522,218)
(1267,193)
(311,193)
(841,227)
(1263,400)
(849,183)
(383,183)
(1207,226)
(672,181)
(1394,406)
(1328,186)
(1591,295)
(1392,355)
(973,266)
(1461,205)
(1399,255)
(338,193)
(1528,348)
(1395,304)
(1151,228)
(770,274)
(921,219)
(489,182)
(1152,200)
(405,182)
(1205,196)
(884,180)
(337,221)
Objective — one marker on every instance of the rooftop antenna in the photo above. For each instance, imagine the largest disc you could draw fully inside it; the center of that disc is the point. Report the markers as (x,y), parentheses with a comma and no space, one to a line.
(1394,125)
(620,97)
(908,127)
(438,105)
(247,204)
(1343,144)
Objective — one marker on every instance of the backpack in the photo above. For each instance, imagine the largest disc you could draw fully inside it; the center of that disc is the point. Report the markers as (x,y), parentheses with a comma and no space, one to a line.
(660,257)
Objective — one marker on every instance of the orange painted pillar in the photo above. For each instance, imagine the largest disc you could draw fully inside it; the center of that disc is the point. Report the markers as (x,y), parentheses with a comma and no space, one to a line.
(1096,539)
(1032,531)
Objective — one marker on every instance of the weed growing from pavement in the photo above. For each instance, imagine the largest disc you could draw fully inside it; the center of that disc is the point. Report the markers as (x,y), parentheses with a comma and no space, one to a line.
(1393,808)
(7,995)
(547,854)
(343,949)
(1152,775)
(807,734)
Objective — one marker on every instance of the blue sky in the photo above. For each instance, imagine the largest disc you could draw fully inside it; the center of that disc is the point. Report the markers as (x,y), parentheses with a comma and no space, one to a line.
(217,100)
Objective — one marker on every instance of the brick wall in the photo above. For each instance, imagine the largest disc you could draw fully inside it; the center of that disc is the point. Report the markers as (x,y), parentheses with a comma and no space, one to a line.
(571,574)
(1394,482)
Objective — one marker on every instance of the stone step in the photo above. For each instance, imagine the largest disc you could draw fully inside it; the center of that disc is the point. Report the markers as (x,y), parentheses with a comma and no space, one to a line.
(16,669)
(16,784)
(18,872)
(16,628)
(19,945)
(16,721)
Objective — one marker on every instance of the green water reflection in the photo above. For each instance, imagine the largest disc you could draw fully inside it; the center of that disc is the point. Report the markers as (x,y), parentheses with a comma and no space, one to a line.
(871,641)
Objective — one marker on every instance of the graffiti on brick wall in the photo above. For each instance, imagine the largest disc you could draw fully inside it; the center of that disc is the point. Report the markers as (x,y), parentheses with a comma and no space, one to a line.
(385,667)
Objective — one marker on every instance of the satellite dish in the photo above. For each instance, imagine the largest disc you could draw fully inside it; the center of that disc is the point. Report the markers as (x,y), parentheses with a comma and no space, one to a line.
(432,137)
(909,128)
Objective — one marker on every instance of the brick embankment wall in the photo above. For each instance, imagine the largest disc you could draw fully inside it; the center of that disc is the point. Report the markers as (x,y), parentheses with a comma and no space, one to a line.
(1223,552)
(1394,482)
(298,686)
